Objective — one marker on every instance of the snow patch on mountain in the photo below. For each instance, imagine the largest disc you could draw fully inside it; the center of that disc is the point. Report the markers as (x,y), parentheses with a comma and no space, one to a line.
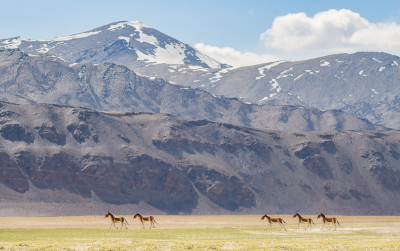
(207,60)
(172,54)
(325,63)
(66,38)
(136,24)
(267,67)
(143,38)
(298,77)
(275,86)
(145,57)
(127,39)
(285,73)
(12,43)
(377,60)
(374,91)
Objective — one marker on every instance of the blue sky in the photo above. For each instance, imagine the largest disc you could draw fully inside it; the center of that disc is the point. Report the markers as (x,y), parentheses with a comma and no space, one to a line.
(216,24)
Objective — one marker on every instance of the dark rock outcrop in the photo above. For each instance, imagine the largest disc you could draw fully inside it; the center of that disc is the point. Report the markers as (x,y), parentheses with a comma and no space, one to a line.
(160,163)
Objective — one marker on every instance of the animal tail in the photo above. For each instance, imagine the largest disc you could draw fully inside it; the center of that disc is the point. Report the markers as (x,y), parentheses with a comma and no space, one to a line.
(312,222)
(155,221)
(338,223)
(126,221)
(283,221)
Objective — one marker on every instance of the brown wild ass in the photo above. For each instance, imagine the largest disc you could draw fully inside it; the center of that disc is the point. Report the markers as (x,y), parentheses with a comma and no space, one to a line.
(145,218)
(117,219)
(324,219)
(301,219)
(270,220)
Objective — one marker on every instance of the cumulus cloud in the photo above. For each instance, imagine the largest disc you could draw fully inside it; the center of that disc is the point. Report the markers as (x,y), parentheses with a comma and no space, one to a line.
(332,31)
(233,57)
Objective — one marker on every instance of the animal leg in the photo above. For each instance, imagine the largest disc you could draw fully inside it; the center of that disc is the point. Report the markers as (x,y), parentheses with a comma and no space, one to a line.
(298,225)
(284,226)
(322,226)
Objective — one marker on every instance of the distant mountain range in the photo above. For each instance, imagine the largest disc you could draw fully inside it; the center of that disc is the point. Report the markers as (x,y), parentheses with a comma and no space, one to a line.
(102,137)
(58,160)
(129,43)
(364,84)
(43,78)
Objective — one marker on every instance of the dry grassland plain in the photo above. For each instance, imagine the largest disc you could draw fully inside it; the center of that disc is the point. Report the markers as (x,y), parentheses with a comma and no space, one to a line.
(208,232)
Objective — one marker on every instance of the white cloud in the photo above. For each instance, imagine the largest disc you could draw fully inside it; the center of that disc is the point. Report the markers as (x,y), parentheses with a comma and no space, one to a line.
(232,57)
(332,31)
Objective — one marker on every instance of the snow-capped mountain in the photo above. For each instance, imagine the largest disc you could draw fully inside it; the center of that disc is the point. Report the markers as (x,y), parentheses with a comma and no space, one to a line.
(43,78)
(365,84)
(130,43)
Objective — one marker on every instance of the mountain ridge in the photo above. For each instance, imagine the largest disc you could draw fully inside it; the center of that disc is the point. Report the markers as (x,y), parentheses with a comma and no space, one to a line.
(130,42)
(58,160)
(43,78)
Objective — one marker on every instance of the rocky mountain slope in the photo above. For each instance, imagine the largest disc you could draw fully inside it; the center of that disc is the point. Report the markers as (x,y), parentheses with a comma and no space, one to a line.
(363,84)
(58,160)
(42,78)
(131,43)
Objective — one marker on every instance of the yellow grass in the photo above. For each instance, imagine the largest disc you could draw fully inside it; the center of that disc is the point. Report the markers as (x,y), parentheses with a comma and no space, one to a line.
(226,232)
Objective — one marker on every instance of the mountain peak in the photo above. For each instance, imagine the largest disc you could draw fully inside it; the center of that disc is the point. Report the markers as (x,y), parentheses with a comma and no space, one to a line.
(123,24)
(130,43)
